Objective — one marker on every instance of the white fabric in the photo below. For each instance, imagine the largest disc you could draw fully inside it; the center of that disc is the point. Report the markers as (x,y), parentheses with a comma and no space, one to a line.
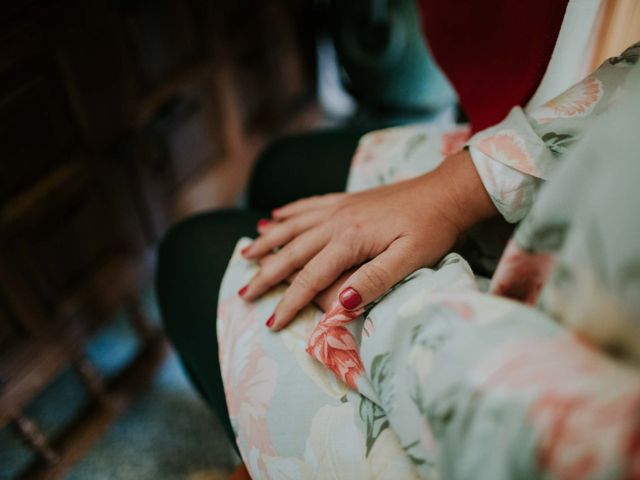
(572,53)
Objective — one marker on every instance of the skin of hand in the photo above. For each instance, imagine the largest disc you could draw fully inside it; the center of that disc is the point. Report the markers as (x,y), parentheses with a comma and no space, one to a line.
(365,242)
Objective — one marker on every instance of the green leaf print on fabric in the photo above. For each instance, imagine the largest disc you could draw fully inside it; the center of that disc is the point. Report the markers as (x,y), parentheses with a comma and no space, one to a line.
(434,333)
(535,237)
(562,277)
(413,457)
(628,57)
(374,419)
(550,237)
(414,143)
(558,143)
(382,379)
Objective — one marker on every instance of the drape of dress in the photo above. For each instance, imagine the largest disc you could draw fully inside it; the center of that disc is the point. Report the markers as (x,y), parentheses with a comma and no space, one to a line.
(538,377)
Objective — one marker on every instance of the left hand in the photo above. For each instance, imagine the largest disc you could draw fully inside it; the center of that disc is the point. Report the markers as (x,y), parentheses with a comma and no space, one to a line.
(388,232)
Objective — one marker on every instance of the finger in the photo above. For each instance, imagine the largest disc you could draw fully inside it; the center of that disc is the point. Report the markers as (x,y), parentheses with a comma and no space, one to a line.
(320,272)
(264,224)
(376,277)
(262,261)
(306,204)
(282,264)
(327,297)
(278,234)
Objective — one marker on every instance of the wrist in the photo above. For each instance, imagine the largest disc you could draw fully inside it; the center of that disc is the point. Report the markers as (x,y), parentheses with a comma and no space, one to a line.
(461,188)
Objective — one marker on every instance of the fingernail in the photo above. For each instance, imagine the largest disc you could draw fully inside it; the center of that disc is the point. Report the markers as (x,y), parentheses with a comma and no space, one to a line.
(243,290)
(350,298)
(271,320)
(245,250)
(263,222)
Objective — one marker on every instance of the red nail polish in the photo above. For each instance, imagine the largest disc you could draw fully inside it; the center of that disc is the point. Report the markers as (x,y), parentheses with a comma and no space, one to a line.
(271,320)
(350,298)
(263,222)
(243,290)
(245,250)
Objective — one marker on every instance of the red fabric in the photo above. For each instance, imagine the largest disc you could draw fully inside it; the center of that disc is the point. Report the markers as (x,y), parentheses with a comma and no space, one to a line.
(494,52)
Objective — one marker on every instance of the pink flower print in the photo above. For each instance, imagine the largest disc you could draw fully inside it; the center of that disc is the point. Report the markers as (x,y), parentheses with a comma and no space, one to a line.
(461,309)
(577,101)
(633,453)
(508,147)
(249,375)
(334,346)
(583,436)
(584,408)
(521,275)
(454,140)
(539,364)
(368,328)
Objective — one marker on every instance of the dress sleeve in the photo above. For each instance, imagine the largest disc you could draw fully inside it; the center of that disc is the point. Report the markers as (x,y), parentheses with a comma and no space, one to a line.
(516,156)
(519,397)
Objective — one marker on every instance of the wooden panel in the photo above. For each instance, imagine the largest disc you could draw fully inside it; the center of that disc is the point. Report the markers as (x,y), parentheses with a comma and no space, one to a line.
(96,67)
(10,329)
(163,35)
(188,133)
(35,125)
(269,75)
(106,108)
(63,239)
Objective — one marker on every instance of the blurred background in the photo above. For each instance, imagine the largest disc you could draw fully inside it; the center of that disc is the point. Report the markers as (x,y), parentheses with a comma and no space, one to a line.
(118,118)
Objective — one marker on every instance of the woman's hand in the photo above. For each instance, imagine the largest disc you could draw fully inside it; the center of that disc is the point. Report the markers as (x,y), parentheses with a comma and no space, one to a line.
(388,232)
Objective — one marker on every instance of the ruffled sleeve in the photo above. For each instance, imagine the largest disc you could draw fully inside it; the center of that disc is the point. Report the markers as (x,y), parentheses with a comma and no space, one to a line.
(516,156)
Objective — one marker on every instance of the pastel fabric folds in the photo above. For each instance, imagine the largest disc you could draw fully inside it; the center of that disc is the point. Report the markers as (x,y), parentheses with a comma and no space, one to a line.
(537,378)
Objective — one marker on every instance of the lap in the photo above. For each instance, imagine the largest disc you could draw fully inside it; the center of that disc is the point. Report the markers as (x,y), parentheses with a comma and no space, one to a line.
(290,414)
(269,377)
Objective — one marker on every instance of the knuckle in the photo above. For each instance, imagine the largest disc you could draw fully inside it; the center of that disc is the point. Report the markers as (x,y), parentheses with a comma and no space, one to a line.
(261,244)
(275,236)
(282,265)
(376,277)
(292,227)
(259,282)
(292,255)
(307,280)
(270,274)
(349,234)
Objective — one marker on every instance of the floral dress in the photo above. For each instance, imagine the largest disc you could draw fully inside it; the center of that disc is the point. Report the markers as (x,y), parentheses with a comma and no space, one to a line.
(440,378)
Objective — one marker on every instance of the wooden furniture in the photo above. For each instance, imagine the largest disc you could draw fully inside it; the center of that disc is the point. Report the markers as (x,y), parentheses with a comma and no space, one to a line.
(110,110)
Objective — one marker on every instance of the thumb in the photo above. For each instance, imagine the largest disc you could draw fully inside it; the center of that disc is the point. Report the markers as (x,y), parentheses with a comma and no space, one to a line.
(376,277)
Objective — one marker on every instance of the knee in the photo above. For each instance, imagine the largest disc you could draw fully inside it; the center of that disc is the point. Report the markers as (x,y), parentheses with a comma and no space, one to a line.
(175,253)
(193,243)
(185,272)
(191,261)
